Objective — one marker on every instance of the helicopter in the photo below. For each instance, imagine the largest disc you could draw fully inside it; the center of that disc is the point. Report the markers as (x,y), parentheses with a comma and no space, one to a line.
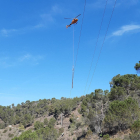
(74,21)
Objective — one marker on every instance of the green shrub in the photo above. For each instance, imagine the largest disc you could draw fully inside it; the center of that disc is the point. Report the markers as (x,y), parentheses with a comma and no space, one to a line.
(78,125)
(38,125)
(5,131)
(79,110)
(10,129)
(21,127)
(135,136)
(10,135)
(106,137)
(2,126)
(72,120)
(136,126)
(89,132)
(101,135)
(72,127)
(61,130)
(72,115)
(51,123)
(45,121)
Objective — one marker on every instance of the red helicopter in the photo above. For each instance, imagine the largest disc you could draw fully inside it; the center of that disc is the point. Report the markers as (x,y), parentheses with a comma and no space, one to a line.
(73,21)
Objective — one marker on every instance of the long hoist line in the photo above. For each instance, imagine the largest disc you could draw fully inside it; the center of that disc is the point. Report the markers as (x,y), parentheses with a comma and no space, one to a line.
(102,44)
(73,59)
(78,44)
(74,21)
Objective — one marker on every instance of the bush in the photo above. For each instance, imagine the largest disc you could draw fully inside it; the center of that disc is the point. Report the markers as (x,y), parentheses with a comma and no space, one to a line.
(72,127)
(135,136)
(21,127)
(10,135)
(106,137)
(72,120)
(10,129)
(45,121)
(78,125)
(126,138)
(27,135)
(61,130)
(5,131)
(79,110)
(136,126)
(89,133)
(38,125)
(2,126)
(51,123)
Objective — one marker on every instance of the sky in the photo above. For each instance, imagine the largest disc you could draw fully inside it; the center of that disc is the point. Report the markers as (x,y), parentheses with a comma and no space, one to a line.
(36,49)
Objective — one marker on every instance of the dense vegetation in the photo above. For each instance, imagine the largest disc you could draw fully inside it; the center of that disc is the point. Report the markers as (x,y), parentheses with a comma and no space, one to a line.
(40,132)
(104,112)
(25,113)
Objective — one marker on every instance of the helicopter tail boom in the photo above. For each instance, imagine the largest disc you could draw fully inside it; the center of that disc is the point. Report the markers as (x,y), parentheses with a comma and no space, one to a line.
(67,26)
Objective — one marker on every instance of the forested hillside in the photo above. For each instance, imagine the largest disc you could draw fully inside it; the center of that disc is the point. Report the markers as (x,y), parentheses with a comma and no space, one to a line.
(98,115)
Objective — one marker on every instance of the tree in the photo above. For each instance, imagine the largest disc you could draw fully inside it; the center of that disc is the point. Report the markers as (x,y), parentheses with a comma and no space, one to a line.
(53,100)
(45,121)
(51,122)
(57,112)
(136,126)
(135,85)
(38,125)
(137,67)
(51,110)
(98,94)
(13,106)
(27,120)
(128,82)
(121,114)
(117,93)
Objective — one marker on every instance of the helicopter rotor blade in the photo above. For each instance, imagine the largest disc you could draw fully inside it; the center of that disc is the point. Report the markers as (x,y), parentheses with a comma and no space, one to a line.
(78,16)
(68,18)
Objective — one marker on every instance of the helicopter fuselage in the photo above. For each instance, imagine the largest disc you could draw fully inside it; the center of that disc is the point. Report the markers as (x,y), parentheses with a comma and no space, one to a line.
(74,21)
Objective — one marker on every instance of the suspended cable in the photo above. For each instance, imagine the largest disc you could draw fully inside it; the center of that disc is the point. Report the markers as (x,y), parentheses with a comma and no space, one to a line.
(73,45)
(80,33)
(96,45)
(102,44)
(73,59)
(78,43)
